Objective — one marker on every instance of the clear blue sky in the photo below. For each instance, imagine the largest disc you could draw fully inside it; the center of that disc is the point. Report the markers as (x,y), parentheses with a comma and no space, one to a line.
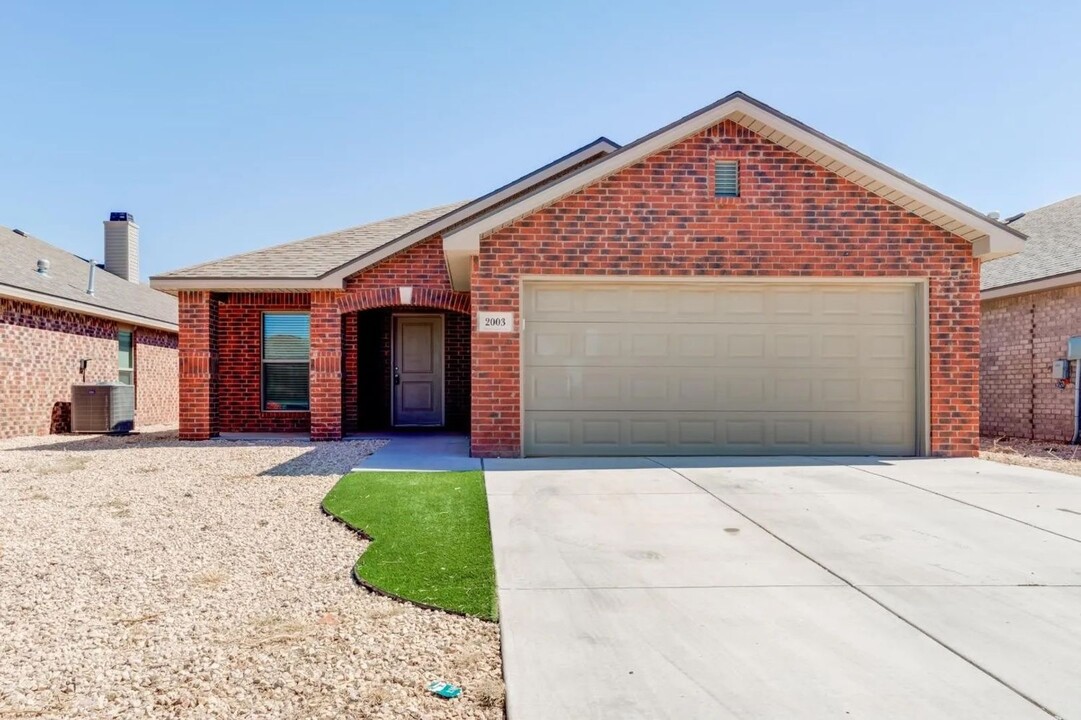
(228,126)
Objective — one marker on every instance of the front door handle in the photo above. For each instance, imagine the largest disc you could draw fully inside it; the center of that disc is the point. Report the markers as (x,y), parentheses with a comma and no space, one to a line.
(397,379)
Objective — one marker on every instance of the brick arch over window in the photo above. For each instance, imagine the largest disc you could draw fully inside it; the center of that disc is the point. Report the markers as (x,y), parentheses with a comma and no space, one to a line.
(438,298)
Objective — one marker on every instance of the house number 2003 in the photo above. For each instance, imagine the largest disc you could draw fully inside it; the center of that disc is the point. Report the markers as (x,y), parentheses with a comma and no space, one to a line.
(495,321)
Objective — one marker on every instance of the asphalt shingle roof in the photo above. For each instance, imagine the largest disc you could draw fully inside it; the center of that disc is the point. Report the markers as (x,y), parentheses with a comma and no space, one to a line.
(315,256)
(67,280)
(1053,246)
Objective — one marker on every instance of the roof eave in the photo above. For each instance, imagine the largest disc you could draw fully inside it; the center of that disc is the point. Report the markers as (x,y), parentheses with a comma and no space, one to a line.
(1032,286)
(996,245)
(172,285)
(30,296)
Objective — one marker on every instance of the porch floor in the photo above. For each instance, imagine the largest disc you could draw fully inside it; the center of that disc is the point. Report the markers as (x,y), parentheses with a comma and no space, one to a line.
(415,451)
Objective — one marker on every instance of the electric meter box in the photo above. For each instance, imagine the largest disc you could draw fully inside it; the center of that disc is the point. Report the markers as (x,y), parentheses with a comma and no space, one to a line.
(1073,348)
(1060,370)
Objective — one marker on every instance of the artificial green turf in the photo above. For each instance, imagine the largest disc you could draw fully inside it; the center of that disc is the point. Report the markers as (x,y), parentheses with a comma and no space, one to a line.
(430,537)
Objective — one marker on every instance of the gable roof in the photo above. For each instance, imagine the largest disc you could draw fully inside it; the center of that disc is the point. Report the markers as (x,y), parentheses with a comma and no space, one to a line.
(989,238)
(1052,253)
(64,287)
(326,260)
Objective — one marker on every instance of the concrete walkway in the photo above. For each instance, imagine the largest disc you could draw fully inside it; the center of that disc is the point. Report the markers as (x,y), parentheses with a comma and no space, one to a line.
(420,452)
(787,588)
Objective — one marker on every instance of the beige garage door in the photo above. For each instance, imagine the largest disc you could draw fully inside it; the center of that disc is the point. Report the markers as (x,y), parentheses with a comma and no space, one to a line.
(720,368)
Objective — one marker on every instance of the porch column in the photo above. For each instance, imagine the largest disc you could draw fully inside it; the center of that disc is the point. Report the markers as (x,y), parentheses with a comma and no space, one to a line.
(198,356)
(325,391)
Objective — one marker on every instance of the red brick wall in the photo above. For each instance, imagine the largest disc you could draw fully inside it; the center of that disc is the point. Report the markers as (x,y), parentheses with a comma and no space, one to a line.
(1020,338)
(198,315)
(459,370)
(421,265)
(40,349)
(240,363)
(350,383)
(659,218)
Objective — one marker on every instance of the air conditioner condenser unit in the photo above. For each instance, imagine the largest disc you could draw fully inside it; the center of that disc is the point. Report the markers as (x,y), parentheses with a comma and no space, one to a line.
(102,408)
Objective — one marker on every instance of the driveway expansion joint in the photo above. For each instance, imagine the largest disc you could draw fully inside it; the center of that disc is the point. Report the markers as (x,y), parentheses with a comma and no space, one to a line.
(959,500)
(858,588)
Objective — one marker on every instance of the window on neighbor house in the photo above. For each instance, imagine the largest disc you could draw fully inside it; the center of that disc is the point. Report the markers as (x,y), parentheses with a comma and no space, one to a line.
(125,356)
(286,346)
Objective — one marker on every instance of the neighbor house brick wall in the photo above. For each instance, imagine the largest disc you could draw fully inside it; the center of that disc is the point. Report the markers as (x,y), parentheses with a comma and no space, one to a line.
(40,350)
(659,217)
(1021,336)
(157,385)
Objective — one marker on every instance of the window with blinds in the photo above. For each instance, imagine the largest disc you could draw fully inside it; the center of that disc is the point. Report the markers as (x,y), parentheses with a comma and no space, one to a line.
(125,357)
(726,178)
(286,347)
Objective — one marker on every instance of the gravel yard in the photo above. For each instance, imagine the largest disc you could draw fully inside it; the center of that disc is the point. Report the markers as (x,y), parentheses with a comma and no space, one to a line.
(144,577)
(1057,456)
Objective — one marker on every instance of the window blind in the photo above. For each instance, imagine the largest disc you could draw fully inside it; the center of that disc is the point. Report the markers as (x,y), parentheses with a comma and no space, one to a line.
(286,350)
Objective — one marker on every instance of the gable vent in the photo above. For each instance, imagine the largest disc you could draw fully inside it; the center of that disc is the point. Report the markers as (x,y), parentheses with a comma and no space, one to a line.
(726,178)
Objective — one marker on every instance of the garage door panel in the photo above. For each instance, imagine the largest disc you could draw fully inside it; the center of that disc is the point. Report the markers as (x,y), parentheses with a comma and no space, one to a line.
(684,368)
(605,344)
(725,433)
(696,302)
(635,389)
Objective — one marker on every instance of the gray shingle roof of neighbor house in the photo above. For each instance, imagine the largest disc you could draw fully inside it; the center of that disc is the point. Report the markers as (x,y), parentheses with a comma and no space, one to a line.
(65,284)
(1053,247)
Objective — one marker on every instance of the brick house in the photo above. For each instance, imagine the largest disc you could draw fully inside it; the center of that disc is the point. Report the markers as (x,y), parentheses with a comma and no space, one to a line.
(735,282)
(65,320)
(1030,306)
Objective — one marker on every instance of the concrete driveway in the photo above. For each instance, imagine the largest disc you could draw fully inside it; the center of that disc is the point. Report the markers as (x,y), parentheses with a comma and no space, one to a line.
(787,588)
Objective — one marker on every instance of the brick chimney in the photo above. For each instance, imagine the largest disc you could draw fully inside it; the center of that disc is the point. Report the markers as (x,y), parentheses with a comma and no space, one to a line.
(122,246)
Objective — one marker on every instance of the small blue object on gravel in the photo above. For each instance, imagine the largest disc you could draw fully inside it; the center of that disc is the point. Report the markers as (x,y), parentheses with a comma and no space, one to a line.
(444,689)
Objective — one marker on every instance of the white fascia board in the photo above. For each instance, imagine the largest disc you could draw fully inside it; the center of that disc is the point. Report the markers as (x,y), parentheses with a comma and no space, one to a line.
(998,245)
(169,284)
(460,268)
(1032,286)
(15,293)
(1000,241)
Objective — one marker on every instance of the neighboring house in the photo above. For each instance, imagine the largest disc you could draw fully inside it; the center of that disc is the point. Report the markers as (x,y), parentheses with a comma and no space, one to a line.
(735,282)
(1030,306)
(54,331)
